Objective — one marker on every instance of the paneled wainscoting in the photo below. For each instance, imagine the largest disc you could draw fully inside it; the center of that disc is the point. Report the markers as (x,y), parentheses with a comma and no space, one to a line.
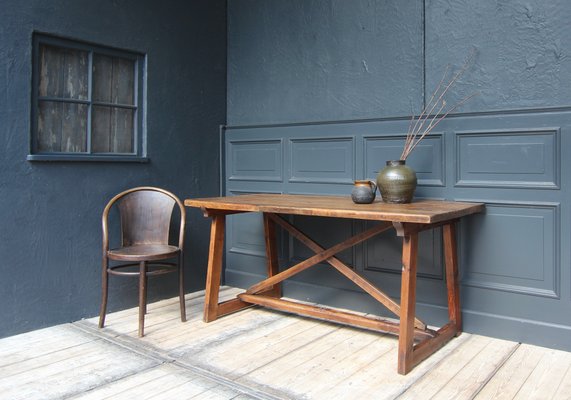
(515,258)
(260,354)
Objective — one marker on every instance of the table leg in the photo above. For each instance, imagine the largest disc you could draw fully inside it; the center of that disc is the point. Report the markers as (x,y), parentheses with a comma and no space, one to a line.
(408,303)
(272,254)
(451,260)
(214,271)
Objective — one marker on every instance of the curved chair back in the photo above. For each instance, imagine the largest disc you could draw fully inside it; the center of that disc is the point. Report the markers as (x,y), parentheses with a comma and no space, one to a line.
(145,218)
(146,214)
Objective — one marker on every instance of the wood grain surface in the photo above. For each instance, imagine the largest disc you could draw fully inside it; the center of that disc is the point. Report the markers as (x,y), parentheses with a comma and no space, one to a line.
(421,211)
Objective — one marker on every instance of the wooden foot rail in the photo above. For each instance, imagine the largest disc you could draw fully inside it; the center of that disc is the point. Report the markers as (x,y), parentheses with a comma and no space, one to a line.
(332,314)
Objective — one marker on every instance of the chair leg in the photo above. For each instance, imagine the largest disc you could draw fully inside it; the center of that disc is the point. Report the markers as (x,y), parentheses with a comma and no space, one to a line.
(146,295)
(181,287)
(104,293)
(142,296)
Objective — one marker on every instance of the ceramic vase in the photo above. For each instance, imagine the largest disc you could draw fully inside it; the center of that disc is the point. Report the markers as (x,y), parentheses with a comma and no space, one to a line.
(397,182)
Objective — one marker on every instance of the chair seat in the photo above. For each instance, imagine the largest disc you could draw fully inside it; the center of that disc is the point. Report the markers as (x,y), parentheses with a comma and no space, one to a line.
(143,252)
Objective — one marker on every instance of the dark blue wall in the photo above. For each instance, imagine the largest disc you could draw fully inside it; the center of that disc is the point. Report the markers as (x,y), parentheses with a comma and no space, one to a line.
(50,233)
(292,61)
(327,60)
(297,69)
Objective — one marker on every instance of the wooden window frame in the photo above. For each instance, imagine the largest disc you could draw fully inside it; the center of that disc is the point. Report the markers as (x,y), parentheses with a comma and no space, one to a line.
(139,123)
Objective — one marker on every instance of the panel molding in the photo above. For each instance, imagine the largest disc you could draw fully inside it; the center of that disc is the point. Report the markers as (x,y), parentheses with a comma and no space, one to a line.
(508,112)
(555,157)
(347,176)
(294,259)
(554,291)
(231,244)
(504,296)
(233,175)
(438,179)
(437,266)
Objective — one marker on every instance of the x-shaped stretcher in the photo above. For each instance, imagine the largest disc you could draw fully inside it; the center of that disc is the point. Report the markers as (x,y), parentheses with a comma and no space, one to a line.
(416,340)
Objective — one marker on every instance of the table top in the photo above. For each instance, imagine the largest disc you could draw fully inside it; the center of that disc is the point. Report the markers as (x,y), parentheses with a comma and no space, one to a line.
(419,211)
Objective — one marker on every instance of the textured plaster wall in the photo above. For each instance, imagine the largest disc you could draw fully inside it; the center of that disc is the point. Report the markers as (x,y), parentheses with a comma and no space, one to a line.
(320,60)
(523,55)
(50,233)
(298,60)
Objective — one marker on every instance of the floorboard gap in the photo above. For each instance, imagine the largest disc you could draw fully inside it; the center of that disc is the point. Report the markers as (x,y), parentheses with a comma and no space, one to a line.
(149,352)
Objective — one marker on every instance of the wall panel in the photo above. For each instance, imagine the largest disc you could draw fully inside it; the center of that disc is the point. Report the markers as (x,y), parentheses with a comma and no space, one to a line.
(322,160)
(514,269)
(513,247)
(525,159)
(255,160)
(427,159)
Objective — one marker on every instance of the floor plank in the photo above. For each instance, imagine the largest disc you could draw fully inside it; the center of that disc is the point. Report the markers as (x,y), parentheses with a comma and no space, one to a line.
(475,374)
(276,345)
(464,372)
(379,379)
(509,379)
(564,389)
(345,351)
(65,373)
(41,342)
(547,377)
(263,354)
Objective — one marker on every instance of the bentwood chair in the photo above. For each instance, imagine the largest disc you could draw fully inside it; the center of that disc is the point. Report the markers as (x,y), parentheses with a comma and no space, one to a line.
(145,214)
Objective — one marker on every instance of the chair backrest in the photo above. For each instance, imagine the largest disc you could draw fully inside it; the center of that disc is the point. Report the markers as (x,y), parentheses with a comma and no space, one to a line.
(146,214)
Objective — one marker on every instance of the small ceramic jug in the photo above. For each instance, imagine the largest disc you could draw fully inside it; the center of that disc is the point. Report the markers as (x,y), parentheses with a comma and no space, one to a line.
(364,191)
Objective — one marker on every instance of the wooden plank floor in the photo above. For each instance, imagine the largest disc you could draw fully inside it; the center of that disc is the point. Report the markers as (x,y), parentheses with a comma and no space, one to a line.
(261,354)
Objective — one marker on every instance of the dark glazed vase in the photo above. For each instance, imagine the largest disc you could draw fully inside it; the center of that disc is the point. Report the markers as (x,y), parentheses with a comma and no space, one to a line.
(396,182)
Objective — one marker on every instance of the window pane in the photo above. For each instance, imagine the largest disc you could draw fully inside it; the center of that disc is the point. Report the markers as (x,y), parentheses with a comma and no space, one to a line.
(112,130)
(62,127)
(85,100)
(113,79)
(63,73)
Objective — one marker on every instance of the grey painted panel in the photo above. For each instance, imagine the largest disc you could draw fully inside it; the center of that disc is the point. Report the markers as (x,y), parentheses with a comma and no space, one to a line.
(246,234)
(527,159)
(321,160)
(427,159)
(513,247)
(384,254)
(255,160)
(245,241)
(326,232)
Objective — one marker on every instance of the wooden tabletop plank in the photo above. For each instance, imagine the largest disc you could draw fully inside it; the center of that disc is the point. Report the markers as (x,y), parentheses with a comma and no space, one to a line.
(419,211)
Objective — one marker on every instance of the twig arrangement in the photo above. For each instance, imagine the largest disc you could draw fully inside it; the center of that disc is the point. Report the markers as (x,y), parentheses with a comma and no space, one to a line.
(434,111)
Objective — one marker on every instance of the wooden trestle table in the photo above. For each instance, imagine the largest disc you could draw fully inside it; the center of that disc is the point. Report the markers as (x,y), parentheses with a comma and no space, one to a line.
(416,340)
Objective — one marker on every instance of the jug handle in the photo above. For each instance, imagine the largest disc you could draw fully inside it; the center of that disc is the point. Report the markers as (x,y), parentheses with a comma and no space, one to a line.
(374,185)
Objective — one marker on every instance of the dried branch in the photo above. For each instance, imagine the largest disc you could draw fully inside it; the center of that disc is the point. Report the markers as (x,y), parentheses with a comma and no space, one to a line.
(432,126)
(428,118)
